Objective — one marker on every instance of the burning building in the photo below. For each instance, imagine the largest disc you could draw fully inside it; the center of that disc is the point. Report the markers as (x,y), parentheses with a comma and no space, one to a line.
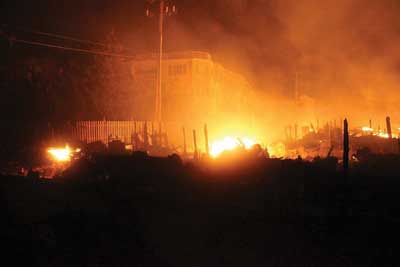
(195,91)
(194,88)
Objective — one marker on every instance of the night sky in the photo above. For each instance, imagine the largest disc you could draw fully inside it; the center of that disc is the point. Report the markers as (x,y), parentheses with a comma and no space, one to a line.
(227,29)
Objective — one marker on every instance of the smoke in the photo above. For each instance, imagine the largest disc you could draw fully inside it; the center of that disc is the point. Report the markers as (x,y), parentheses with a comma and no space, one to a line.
(341,53)
(349,56)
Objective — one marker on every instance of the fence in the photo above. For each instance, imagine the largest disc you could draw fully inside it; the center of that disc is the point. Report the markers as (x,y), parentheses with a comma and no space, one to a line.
(90,131)
(134,132)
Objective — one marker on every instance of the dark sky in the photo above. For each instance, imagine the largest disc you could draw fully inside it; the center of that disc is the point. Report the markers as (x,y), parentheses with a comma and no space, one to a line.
(230,30)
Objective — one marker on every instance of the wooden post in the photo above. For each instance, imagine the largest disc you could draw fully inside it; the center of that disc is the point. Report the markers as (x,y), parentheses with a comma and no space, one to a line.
(135,137)
(97,131)
(206,139)
(153,135)
(184,141)
(389,127)
(145,136)
(345,145)
(195,156)
(160,135)
(84,130)
(370,126)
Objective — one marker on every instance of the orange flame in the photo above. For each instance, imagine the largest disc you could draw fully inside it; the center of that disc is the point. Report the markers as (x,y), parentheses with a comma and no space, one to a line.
(62,154)
(229,143)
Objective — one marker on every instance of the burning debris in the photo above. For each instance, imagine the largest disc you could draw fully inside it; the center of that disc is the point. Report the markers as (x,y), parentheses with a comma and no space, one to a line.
(62,154)
(229,144)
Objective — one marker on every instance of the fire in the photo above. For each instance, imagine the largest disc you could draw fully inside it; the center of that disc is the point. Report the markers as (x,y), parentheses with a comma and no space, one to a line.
(382,134)
(367,129)
(229,143)
(379,133)
(61,154)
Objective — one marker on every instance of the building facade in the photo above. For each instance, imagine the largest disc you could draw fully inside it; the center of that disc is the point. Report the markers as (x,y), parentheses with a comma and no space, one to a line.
(194,88)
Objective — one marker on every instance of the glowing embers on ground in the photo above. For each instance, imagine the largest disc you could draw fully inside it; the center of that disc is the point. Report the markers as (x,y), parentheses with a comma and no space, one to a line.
(62,154)
(230,143)
(379,133)
(367,129)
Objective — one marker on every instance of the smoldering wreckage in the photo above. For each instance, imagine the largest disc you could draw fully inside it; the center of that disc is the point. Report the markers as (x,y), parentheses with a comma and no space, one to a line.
(87,139)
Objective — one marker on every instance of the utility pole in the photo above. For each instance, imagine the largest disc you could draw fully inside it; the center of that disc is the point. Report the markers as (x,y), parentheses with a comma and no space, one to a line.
(296,86)
(164,9)
(159,84)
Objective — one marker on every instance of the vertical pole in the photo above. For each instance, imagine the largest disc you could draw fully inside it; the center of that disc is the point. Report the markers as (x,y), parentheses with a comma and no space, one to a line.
(345,145)
(295,132)
(184,141)
(145,136)
(159,85)
(370,126)
(160,136)
(195,156)
(206,139)
(153,135)
(389,127)
(135,137)
(86,132)
(96,124)
(296,86)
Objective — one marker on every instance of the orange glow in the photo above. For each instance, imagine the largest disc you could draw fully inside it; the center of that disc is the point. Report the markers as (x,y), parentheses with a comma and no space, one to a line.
(229,143)
(383,135)
(379,133)
(367,129)
(62,154)
(277,150)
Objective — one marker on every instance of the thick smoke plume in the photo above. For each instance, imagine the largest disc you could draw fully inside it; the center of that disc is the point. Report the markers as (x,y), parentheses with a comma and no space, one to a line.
(341,55)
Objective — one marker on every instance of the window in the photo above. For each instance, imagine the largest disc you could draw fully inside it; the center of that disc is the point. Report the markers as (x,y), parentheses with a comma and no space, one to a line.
(179,69)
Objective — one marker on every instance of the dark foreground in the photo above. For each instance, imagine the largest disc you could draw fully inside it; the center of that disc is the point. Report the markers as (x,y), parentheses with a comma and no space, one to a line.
(139,211)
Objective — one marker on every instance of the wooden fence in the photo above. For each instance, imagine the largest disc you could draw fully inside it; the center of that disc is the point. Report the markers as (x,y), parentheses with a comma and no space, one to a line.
(104,131)
(140,133)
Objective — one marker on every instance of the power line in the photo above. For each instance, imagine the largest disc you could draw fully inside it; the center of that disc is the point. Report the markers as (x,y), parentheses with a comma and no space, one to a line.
(61,36)
(64,37)
(95,52)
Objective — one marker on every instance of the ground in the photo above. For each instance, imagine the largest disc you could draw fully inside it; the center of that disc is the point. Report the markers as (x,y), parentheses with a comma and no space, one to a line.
(142,211)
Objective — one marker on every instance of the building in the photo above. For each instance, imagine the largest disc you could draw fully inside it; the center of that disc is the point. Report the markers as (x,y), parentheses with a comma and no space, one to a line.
(194,88)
